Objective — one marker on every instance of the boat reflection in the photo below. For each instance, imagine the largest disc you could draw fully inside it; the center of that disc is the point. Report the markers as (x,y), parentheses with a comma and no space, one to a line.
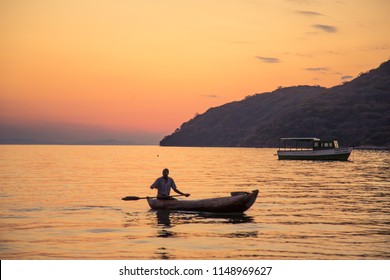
(169,224)
(168,218)
(163,217)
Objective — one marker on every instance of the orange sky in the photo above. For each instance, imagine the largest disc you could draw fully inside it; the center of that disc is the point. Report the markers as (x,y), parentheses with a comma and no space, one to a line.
(145,67)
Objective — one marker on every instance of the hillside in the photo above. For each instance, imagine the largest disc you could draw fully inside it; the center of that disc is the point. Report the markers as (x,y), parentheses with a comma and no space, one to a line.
(356,113)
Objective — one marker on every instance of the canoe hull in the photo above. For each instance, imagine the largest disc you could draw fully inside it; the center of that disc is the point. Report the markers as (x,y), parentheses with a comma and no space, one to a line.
(234,204)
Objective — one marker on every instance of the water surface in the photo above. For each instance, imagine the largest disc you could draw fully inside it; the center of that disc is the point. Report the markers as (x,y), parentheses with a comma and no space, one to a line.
(64,202)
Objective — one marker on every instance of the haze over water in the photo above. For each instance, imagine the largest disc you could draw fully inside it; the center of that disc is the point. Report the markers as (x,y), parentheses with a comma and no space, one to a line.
(64,202)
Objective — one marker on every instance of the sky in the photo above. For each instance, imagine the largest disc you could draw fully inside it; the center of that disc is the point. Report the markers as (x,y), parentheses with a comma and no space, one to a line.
(135,70)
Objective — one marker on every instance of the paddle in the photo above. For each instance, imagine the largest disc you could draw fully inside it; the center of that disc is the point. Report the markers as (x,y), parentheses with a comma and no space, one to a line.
(137,197)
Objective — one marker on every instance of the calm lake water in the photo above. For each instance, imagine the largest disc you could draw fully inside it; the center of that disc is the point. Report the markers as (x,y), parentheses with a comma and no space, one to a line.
(64,202)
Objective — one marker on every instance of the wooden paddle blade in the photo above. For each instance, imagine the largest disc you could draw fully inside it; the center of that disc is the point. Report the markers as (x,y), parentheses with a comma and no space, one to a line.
(131,198)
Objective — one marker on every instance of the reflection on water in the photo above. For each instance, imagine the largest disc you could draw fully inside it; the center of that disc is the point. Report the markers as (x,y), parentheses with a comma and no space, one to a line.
(168,223)
(163,217)
(64,202)
(162,253)
(166,217)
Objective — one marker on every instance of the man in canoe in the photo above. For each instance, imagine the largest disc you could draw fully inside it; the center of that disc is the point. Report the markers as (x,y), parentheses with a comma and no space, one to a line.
(164,185)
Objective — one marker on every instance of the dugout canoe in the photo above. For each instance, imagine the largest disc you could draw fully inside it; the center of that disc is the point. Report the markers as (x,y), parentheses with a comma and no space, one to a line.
(238,202)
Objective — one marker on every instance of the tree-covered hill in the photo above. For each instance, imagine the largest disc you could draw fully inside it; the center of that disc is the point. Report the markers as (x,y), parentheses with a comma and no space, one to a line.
(356,113)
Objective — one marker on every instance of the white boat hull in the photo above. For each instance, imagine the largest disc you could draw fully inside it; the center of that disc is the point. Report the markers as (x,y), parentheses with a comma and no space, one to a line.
(326,154)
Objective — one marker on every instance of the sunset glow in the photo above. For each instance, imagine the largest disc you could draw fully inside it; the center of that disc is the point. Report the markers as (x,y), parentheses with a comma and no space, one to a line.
(136,70)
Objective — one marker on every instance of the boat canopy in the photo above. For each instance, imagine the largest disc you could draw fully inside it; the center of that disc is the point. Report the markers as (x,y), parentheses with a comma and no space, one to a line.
(301,139)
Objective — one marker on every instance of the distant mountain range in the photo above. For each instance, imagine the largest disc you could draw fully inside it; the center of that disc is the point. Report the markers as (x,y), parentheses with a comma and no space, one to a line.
(23,141)
(57,133)
(356,113)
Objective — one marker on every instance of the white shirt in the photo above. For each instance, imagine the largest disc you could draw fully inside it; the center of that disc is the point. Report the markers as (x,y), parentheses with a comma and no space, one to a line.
(164,186)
